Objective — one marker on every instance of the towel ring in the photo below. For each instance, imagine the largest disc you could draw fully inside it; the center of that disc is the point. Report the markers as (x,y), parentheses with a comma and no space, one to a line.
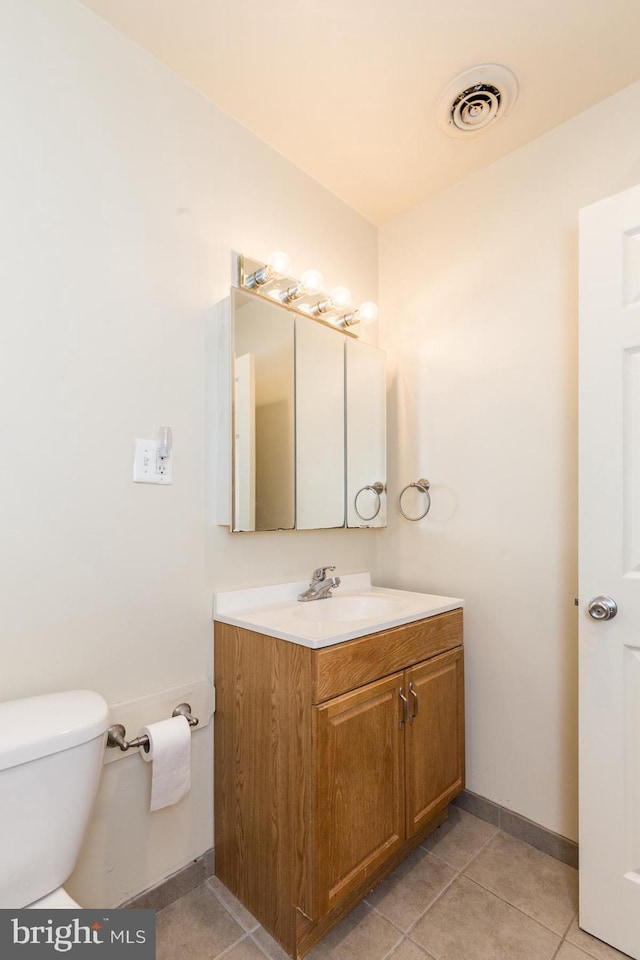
(423,486)
(378,489)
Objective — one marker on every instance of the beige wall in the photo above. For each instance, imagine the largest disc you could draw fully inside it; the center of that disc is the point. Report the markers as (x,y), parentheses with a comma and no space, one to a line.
(479,299)
(124,193)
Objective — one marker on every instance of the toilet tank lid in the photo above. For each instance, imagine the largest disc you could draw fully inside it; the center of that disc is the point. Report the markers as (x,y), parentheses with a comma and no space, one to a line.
(38,726)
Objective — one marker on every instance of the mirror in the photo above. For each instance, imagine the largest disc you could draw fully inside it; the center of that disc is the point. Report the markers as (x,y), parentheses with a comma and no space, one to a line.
(307,430)
(263,415)
(319,361)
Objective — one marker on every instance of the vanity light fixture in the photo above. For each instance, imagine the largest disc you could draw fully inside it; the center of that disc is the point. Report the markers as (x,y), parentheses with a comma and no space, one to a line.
(367,312)
(273,281)
(278,265)
(309,284)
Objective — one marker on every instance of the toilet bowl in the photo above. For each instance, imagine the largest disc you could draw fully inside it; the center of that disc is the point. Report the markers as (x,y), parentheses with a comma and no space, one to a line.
(58,900)
(51,756)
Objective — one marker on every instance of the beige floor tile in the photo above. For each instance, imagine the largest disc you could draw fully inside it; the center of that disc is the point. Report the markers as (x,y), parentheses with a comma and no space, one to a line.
(362,935)
(542,887)
(469,922)
(570,952)
(245,950)
(196,926)
(409,951)
(233,905)
(268,945)
(591,945)
(403,896)
(459,838)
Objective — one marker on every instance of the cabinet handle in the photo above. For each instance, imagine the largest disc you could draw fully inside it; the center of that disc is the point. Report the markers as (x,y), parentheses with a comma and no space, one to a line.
(415,703)
(404,707)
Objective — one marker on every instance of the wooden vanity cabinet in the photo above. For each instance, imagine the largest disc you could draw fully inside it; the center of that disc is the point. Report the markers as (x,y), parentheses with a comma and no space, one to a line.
(331,765)
(434,765)
(359,801)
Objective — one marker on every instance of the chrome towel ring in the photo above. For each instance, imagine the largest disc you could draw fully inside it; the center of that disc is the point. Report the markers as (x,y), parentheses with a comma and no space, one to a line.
(378,488)
(423,487)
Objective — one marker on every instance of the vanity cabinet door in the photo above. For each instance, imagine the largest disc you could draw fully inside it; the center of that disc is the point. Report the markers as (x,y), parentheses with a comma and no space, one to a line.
(434,737)
(359,790)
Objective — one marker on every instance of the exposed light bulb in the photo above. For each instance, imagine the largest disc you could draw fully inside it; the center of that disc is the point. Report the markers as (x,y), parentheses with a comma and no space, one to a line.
(312,281)
(338,299)
(367,312)
(341,298)
(279,263)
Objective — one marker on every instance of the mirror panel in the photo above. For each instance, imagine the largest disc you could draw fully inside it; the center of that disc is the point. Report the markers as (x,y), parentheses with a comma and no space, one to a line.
(366,434)
(307,426)
(263,415)
(319,426)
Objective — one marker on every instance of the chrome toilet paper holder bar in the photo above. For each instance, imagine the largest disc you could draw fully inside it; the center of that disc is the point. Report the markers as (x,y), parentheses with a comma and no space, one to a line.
(116,734)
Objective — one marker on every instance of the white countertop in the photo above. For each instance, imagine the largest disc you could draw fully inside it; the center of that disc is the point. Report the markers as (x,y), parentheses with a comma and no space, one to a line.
(361,608)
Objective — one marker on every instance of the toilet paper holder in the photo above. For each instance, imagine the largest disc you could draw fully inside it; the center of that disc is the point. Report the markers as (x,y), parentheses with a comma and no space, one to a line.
(116,734)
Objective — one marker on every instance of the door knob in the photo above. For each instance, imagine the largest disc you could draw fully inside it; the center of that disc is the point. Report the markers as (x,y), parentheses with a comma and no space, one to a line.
(603,608)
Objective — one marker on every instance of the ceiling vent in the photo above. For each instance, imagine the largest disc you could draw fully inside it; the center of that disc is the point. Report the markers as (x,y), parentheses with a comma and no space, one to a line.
(476,99)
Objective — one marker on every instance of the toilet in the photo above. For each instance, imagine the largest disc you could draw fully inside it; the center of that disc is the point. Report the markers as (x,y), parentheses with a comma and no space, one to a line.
(51,756)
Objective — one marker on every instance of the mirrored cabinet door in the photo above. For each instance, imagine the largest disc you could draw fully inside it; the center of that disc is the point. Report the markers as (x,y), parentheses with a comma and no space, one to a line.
(366,434)
(263,415)
(319,362)
(306,426)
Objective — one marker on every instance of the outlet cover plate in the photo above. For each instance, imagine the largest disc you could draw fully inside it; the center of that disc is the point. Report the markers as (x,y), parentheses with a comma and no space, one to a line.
(146,466)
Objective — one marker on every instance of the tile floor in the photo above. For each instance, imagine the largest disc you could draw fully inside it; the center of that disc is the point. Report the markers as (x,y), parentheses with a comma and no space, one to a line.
(470,892)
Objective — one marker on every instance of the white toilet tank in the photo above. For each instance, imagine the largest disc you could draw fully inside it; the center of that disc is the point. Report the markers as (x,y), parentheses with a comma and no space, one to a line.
(51,755)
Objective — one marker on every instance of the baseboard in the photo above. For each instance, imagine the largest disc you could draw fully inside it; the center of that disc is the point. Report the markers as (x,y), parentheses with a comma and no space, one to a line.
(512,823)
(199,870)
(175,886)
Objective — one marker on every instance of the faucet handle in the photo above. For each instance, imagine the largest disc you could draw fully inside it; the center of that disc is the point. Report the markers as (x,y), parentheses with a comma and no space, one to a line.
(321,572)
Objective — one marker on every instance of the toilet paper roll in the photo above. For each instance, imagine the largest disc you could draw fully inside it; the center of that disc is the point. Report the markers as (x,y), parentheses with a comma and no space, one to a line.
(170,754)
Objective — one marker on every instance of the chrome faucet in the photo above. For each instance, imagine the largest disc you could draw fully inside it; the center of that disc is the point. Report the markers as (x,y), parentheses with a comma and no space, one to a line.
(321,586)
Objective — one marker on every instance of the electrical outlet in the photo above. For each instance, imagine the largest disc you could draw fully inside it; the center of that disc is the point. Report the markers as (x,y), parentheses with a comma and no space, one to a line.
(149,466)
(162,463)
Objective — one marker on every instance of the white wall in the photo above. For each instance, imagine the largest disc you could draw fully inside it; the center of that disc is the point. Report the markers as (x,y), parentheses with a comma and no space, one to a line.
(124,193)
(479,299)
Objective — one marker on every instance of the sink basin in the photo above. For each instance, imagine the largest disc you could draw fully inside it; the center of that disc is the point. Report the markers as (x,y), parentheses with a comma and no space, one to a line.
(348,609)
(356,609)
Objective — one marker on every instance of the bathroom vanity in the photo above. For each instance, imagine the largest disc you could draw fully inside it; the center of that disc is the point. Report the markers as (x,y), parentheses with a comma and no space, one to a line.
(339,743)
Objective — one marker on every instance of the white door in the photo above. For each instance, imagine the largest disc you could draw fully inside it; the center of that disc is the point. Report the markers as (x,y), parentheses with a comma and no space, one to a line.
(610,567)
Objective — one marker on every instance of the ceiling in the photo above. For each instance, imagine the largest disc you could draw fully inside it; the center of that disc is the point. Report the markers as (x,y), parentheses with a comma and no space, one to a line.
(347,89)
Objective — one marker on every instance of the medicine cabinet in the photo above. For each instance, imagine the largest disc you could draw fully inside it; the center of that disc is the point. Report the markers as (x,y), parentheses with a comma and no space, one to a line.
(302,421)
